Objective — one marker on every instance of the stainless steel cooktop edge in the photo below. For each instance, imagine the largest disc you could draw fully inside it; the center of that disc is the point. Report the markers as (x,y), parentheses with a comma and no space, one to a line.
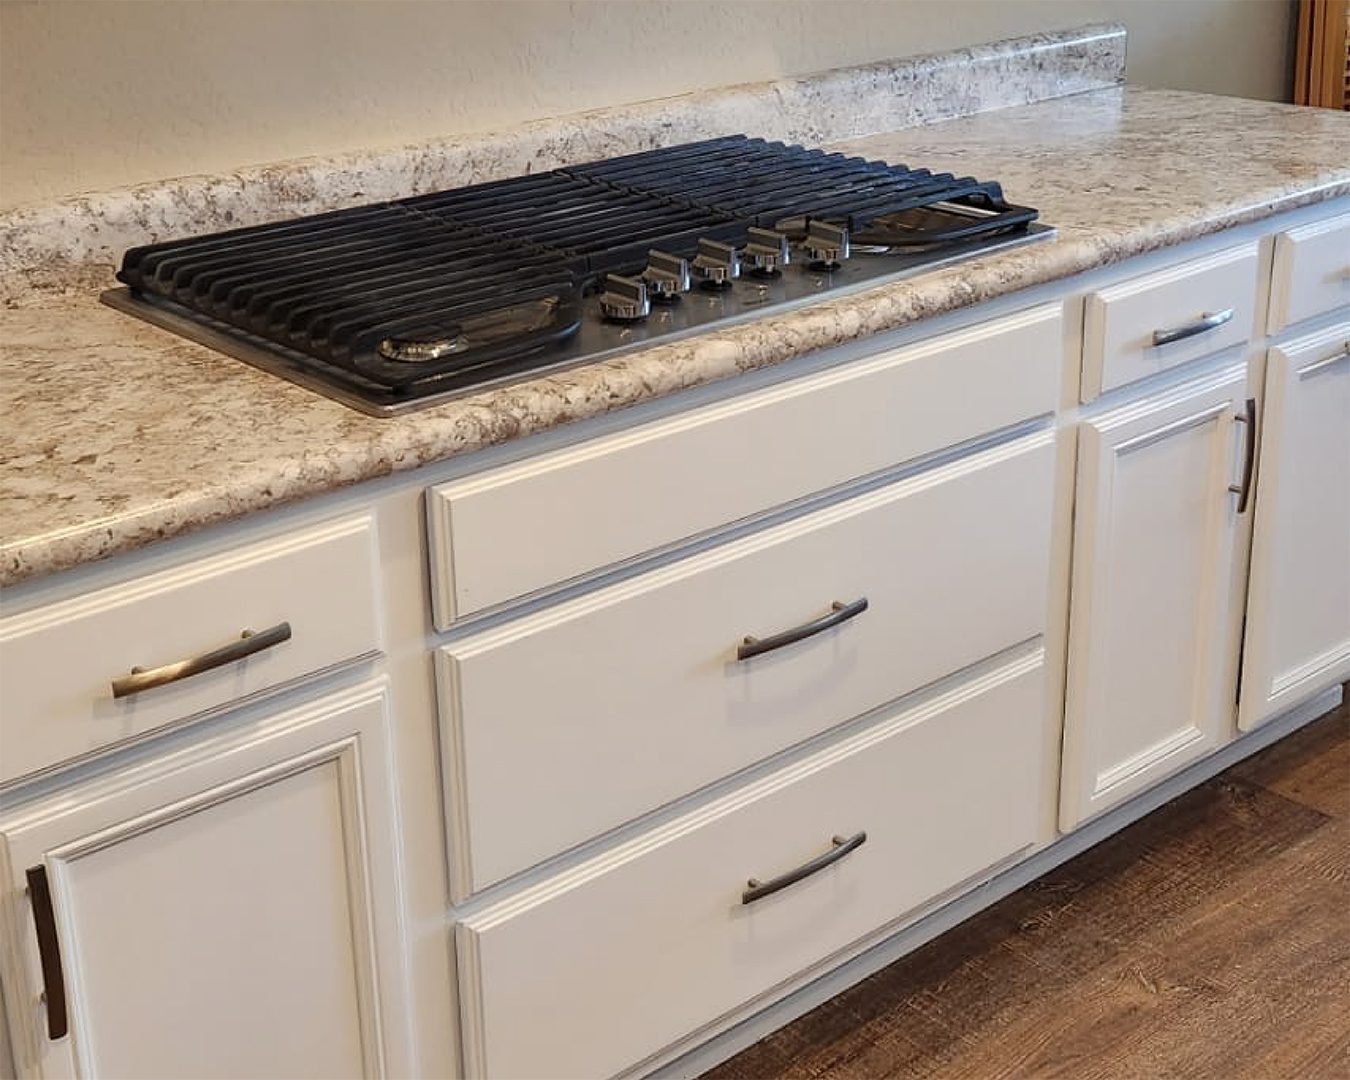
(597,340)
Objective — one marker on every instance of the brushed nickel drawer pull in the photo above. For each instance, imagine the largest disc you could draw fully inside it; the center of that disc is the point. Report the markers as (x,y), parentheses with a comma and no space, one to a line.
(839,613)
(759,889)
(1202,325)
(1325,362)
(248,644)
(49,952)
(1244,490)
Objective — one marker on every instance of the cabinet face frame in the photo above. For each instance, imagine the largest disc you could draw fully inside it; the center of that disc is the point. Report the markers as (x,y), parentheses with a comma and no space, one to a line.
(1318,364)
(346,731)
(1090,784)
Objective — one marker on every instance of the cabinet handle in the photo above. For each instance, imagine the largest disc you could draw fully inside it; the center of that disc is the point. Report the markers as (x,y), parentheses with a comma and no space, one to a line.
(839,613)
(759,889)
(1325,362)
(49,952)
(248,644)
(1244,490)
(1202,325)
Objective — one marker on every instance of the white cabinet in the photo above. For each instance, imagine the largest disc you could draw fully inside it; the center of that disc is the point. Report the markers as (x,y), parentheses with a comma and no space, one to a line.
(229,910)
(1298,607)
(228,899)
(1153,323)
(1311,271)
(638,694)
(204,635)
(1156,596)
(587,973)
(507,532)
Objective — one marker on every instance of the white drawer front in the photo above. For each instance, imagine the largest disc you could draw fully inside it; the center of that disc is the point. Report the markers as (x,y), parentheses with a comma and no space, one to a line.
(609,706)
(617,497)
(1121,321)
(1311,273)
(57,663)
(595,970)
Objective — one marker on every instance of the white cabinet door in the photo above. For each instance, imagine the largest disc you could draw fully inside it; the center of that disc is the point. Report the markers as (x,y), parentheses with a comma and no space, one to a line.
(1156,609)
(1298,607)
(230,910)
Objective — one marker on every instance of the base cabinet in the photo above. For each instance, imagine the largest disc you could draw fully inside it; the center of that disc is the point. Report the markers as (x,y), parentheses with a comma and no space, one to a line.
(1298,608)
(636,695)
(226,911)
(590,972)
(1156,600)
(714,782)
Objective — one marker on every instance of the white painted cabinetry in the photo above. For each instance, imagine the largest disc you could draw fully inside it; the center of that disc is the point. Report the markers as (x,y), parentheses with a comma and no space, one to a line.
(500,534)
(1172,317)
(66,686)
(228,910)
(592,970)
(1156,599)
(1298,608)
(637,694)
(200,883)
(1311,271)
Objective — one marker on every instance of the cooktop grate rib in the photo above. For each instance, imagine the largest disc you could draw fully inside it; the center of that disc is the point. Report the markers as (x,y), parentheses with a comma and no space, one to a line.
(417,296)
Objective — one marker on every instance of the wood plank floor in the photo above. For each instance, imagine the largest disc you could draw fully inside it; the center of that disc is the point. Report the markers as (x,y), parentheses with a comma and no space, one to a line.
(1210,940)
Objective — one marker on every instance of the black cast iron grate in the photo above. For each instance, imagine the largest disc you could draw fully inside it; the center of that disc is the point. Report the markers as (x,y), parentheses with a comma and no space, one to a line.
(437,292)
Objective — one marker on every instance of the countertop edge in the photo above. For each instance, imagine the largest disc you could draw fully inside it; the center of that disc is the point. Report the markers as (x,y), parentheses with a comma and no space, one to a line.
(644,375)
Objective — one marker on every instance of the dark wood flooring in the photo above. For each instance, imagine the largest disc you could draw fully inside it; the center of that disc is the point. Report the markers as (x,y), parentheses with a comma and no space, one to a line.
(1209,941)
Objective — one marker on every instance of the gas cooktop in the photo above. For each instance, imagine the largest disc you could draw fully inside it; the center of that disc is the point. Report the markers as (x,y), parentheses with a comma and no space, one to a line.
(400,305)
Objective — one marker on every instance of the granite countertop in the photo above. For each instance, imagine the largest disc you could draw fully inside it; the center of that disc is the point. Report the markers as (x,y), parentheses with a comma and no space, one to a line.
(117,434)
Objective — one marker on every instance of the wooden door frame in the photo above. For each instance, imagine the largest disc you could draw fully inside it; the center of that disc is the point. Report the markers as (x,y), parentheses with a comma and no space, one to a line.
(1322,63)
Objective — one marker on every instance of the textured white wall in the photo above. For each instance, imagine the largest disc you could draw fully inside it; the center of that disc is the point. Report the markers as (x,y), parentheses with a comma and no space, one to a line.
(110,92)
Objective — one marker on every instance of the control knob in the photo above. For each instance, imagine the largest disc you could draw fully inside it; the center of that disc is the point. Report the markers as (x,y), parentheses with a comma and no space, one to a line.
(624,299)
(766,252)
(826,244)
(717,264)
(666,276)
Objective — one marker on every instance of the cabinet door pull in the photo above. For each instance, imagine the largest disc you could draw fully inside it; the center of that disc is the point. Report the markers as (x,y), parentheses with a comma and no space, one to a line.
(1203,325)
(1244,490)
(838,613)
(1326,362)
(248,644)
(759,889)
(49,952)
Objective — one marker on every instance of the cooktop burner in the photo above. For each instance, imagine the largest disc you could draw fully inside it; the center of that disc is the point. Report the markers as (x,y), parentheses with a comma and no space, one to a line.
(403,304)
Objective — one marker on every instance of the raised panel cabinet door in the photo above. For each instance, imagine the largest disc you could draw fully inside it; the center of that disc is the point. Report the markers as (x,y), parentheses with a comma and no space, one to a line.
(230,910)
(1298,606)
(1155,610)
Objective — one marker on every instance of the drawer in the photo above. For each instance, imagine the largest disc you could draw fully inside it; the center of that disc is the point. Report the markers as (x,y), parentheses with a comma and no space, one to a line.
(596,969)
(617,497)
(566,724)
(57,663)
(1204,305)
(1311,273)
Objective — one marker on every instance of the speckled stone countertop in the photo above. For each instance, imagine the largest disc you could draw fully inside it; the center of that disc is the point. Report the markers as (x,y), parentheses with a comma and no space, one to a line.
(92,464)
